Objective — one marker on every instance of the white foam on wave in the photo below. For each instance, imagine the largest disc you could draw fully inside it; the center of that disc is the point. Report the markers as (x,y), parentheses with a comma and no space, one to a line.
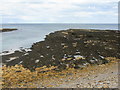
(12,51)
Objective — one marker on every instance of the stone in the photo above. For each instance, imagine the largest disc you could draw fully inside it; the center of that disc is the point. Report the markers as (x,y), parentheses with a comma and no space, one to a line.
(36,61)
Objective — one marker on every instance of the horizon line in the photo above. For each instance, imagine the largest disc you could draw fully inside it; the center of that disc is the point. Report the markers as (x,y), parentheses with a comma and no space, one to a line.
(56,23)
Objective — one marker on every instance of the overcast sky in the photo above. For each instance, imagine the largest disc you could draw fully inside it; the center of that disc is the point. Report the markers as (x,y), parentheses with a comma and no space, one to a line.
(59,11)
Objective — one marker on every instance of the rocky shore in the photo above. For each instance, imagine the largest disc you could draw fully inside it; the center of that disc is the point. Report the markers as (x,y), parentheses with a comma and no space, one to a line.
(99,76)
(7,29)
(59,54)
(103,76)
(74,48)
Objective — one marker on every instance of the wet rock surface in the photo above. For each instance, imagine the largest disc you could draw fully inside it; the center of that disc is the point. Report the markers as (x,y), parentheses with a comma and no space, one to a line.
(73,48)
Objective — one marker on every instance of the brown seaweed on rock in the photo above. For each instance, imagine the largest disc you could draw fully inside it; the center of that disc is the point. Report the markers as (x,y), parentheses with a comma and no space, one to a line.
(75,48)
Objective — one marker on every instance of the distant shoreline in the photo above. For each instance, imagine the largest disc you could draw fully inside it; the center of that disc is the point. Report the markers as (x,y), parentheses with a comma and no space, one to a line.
(7,29)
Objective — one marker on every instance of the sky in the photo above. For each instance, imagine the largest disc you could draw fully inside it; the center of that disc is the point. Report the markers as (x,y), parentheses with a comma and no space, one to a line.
(59,11)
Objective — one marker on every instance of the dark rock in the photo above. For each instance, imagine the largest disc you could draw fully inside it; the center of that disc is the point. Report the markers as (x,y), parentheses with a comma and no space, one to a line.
(7,29)
(18,71)
(6,52)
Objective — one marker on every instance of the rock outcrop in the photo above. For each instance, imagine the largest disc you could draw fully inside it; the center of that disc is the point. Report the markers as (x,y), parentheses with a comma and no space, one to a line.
(75,48)
(7,29)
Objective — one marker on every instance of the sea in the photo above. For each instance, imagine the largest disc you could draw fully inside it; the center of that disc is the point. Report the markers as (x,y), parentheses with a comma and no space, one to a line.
(27,34)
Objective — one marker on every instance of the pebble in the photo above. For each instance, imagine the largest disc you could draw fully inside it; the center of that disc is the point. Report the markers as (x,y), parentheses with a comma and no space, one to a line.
(36,61)
(47,47)
(41,56)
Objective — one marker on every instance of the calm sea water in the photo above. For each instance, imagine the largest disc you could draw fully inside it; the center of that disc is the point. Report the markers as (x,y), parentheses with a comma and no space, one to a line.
(27,34)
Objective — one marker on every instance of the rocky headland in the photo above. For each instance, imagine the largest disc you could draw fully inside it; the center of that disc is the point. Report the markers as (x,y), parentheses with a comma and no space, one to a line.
(63,50)
(75,48)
